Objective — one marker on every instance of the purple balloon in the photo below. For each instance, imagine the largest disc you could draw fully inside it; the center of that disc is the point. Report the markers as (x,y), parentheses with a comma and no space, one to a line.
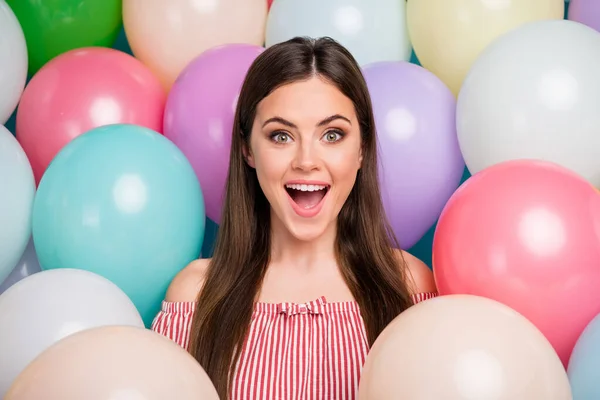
(199,115)
(420,160)
(586,12)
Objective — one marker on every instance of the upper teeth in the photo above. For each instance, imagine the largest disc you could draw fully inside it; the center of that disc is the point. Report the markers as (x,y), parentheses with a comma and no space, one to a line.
(306,188)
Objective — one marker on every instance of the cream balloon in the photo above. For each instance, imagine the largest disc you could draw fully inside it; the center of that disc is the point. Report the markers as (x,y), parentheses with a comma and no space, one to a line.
(371,30)
(449,35)
(462,347)
(167,34)
(534,94)
(115,362)
(13,62)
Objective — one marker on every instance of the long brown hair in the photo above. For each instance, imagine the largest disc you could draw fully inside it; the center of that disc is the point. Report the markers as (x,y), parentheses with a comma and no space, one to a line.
(364,243)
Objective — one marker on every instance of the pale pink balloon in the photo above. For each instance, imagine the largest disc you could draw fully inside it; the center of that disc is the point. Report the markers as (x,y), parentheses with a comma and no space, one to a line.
(462,347)
(113,362)
(80,90)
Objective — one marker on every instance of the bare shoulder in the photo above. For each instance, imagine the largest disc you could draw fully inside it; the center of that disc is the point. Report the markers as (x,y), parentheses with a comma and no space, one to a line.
(187,283)
(421,279)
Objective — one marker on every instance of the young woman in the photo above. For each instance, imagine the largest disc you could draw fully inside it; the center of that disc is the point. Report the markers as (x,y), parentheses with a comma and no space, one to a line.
(305,274)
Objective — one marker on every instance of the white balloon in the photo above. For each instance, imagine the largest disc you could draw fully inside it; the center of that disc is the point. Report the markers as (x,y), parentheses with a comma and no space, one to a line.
(45,307)
(17,194)
(13,62)
(372,30)
(534,93)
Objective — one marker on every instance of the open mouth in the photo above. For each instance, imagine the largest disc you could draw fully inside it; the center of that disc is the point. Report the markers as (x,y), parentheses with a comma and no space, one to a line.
(307,196)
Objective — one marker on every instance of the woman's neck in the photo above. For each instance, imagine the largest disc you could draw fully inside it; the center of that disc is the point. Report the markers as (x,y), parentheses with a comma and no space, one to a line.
(301,271)
(289,252)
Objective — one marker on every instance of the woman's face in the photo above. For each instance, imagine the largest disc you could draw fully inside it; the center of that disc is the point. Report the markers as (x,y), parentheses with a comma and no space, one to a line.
(306,148)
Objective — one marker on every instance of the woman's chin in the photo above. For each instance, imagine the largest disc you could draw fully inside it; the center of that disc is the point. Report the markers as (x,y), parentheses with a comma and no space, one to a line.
(307,229)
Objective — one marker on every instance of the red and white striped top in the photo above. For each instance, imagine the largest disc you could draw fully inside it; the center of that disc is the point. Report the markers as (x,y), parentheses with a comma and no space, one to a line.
(310,351)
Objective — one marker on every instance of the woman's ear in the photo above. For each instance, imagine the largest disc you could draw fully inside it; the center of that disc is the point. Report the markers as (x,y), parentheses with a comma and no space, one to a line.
(248,156)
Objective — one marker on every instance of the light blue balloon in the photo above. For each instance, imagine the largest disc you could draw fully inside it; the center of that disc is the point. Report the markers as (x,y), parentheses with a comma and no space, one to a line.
(17,192)
(371,32)
(121,201)
(584,364)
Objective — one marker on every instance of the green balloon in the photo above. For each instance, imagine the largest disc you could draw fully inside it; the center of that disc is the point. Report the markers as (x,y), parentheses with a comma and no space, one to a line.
(53,27)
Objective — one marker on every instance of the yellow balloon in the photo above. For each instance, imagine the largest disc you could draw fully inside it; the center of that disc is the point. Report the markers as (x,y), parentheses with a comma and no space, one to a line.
(448,35)
(167,34)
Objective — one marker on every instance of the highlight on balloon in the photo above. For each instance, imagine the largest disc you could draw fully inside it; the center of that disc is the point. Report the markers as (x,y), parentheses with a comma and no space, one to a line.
(300,199)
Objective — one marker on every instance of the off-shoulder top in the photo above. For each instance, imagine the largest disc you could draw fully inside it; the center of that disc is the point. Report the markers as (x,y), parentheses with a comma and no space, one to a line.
(307,351)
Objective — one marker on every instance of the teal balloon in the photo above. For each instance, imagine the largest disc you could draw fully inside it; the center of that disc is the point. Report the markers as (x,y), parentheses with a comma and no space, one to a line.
(124,202)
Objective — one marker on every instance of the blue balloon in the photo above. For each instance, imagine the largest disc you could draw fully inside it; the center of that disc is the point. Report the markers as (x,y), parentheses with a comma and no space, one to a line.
(121,201)
(584,363)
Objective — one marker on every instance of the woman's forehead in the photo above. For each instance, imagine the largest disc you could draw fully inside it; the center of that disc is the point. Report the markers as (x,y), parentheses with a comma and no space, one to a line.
(313,99)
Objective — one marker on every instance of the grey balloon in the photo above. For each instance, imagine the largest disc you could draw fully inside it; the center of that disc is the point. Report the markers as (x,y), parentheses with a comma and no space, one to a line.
(27,265)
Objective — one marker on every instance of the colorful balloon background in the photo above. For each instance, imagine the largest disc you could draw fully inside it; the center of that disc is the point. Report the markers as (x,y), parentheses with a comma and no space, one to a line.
(422,249)
(155,27)
(60,103)
(53,305)
(527,234)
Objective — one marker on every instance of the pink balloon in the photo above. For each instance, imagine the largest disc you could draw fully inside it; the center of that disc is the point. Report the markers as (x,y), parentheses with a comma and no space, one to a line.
(80,90)
(527,234)
(199,115)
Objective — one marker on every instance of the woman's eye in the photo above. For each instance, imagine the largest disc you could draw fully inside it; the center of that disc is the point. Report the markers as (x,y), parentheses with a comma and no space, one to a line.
(333,136)
(280,137)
